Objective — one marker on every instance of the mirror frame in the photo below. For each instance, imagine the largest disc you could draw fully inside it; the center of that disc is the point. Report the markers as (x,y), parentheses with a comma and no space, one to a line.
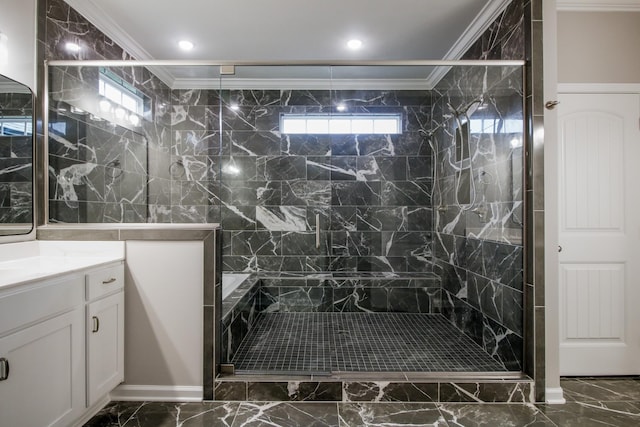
(31,235)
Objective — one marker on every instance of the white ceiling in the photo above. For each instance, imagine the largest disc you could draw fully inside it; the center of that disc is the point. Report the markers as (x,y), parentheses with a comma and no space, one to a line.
(290,30)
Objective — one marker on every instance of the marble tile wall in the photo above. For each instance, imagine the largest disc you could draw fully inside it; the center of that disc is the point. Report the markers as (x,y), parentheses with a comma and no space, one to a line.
(101,169)
(478,197)
(16,164)
(420,294)
(240,310)
(372,192)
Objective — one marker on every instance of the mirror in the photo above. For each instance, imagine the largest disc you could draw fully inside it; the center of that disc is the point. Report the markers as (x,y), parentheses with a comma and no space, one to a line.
(16,158)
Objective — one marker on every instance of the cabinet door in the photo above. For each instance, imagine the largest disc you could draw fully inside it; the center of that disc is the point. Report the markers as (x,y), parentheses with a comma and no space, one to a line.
(46,373)
(105,346)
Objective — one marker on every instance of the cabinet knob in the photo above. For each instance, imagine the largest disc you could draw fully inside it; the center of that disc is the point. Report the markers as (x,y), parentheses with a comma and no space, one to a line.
(4,369)
(96,324)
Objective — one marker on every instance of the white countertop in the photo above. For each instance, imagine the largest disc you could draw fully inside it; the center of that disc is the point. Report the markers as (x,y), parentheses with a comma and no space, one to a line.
(25,262)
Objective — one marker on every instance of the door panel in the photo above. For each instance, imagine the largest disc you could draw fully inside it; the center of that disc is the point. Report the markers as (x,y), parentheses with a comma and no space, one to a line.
(599,234)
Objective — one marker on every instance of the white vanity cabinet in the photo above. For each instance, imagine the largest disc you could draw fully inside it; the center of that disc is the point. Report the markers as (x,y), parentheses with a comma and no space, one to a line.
(61,346)
(105,331)
(42,354)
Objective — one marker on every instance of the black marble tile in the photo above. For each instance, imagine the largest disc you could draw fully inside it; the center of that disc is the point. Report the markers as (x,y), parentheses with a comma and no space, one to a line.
(353,300)
(247,193)
(239,168)
(255,243)
(163,414)
(493,415)
(387,414)
(287,414)
(285,168)
(306,97)
(344,168)
(306,145)
(252,143)
(295,391)
(305,299)
(414,300)
(510,392)
(592,414)
(390,392)
(419,169)
(239,217)
(604,389)
(406,193)
(384,218)
(306,193)
(230,390)
(115,414)
(318,168)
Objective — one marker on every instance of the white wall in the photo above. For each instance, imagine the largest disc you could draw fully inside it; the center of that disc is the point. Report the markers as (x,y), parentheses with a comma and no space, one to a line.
(18,49)
(598,47)
(163,318)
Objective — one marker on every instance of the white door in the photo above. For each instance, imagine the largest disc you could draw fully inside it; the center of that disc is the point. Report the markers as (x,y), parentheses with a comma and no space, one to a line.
(599,211)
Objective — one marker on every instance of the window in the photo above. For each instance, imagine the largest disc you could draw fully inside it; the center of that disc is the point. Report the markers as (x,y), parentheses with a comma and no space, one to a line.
(120,93)
(341,123)
(495,125)
(13,126)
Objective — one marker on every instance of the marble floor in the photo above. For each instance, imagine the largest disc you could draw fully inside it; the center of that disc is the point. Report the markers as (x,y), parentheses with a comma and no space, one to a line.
(590,402)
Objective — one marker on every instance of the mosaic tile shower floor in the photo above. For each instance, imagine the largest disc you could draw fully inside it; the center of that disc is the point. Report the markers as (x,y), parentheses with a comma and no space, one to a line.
(324,343)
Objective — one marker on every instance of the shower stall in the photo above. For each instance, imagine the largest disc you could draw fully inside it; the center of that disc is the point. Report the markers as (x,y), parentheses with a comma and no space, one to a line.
(376,209)
(381,214)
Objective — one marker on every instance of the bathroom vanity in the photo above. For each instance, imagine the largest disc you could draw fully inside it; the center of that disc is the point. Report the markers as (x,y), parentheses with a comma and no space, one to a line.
(61,330)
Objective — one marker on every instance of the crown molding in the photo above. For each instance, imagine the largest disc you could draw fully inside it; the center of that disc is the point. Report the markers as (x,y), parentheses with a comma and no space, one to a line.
(91,10)
(598,5)
(97,16)
(311,84)
(476,28)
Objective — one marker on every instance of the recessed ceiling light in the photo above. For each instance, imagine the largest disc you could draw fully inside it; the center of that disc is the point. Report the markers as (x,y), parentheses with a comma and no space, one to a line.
(72,47)
(185,45)
(354,44)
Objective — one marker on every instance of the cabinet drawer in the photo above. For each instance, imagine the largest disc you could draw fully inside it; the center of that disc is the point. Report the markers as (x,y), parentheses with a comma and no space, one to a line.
(39,301)
(104,281)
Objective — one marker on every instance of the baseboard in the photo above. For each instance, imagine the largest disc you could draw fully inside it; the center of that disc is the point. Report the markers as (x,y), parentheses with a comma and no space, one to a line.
(89,413)
(157,393)
(554,396)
